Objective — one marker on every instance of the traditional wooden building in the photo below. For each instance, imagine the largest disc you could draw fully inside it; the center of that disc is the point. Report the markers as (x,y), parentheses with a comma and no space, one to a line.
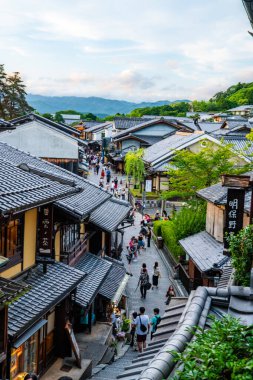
(54,142)
(205,257)
(50,220)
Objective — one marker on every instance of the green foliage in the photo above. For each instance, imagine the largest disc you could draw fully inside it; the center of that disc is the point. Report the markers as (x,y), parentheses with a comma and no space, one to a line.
(12,95)
(223,352)
(173,109)
(191,171)
(136,193)
(125,325)
(134,165)
(241,249)
(157,227)
(188,221)
(236,95)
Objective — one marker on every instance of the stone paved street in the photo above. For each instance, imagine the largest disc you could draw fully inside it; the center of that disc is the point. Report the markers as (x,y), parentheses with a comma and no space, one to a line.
(156,297)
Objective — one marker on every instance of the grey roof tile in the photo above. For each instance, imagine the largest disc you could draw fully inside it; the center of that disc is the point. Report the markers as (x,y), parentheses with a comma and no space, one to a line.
(96,269)
(98,127)
(20,190)
(203,249)
(110,214)
(82,203)
(47,289)
(113,280)
(126,122)
(166,147)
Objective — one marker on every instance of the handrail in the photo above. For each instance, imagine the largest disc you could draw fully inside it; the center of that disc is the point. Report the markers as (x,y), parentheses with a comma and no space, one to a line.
(76,250)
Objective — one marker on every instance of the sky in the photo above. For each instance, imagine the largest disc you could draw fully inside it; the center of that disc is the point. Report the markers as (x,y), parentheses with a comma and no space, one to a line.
(137,50)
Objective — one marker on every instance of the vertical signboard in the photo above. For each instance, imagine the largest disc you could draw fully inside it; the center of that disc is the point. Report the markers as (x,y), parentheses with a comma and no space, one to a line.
(234,212)
(148,185)
(46,228)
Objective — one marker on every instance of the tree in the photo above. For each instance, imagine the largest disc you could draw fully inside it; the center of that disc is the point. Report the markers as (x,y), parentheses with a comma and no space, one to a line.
(48,116)
(2,90)
(191,171)
(134,165)
(13,102)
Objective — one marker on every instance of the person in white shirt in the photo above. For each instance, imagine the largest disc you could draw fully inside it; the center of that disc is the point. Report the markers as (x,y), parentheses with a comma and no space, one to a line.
(142,329)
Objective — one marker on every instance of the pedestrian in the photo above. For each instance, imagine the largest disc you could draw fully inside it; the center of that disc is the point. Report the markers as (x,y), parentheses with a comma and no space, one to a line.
(112,187)
(102,174)
(108,175)
(133,247)
(156,275)
(143,281)
(157,215)
(97,168)
(144,231)
(155,320)
(165,213)
(142,329)
(149,234)
(31,376)
(140,243)
(133,329)
(170,293)
(123,194)
(116,183)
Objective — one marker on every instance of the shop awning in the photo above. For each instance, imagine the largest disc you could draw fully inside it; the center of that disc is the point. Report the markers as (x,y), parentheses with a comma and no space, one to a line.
(29,333)
(115,283)
(97,270)
(117,297)
(46,291)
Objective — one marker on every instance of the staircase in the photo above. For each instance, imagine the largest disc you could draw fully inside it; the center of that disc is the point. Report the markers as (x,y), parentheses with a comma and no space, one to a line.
(111,372)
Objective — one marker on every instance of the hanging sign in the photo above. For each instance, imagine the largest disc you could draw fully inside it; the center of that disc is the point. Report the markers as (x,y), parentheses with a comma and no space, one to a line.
(46,227)
(148,185)
(234,212)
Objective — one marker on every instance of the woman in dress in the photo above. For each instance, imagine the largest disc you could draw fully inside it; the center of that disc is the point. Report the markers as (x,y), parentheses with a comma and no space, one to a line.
(156,276)
(170,293)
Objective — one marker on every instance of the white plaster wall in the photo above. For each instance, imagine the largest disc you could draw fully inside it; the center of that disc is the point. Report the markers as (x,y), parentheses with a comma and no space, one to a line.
(41,141)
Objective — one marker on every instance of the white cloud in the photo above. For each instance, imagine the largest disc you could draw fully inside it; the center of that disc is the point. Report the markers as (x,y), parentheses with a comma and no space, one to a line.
(130,49)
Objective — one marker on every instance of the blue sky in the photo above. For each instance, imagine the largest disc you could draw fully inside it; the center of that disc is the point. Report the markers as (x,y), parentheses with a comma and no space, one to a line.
(127,49)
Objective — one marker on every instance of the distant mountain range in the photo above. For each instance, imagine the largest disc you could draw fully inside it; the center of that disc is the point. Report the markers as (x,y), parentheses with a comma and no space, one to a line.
(95,105)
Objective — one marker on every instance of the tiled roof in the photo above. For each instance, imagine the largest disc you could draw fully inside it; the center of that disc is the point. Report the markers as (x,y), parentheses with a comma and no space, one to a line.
(205,126)
(90,123)
(126,122)
(80,204)
(20,190)
(97,127)
(110,214)
(217,194)
(203,249)
(96,269)
(113,280)
(166,147)
(241,108)
(10,290)
(47,289)
(240,144)
(151,122)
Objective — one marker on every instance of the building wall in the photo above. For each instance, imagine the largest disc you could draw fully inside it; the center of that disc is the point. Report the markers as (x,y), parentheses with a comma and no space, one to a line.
(155,130)
(12,272)
(57,245)
(30,233)
(41,141)
(129,143)
(215,218)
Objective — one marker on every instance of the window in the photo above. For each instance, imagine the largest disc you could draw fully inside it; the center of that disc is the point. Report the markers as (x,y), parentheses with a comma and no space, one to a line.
(11,236)
(70,236)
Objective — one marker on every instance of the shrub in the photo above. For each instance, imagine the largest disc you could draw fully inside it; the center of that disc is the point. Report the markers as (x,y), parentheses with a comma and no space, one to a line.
(188,221)
(225,351)
(241,249)
(158,225)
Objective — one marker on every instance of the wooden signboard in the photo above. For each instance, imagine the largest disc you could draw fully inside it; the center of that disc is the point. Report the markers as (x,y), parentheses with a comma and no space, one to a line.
(46,227)
(240,181)
(234,212)
(73,343)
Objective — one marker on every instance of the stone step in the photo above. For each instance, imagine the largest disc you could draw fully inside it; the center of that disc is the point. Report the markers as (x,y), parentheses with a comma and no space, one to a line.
(166,329)
(150,352)
(157,340)
(143,363)
(171,308)
(154,346)
(147,357)
(130,372)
